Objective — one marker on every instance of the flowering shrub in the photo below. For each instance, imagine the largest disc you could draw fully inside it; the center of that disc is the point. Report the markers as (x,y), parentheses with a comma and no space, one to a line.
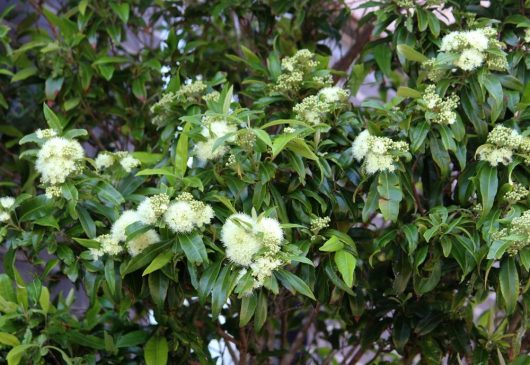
(266,215)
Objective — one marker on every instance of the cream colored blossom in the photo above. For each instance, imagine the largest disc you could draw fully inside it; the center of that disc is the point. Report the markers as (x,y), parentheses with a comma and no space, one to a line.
(333,95)
(212,131)
(118,230)
(239,237)
(378,153)
(152,208)
(104,160)
(53,191)
(311,109)
(439,110)
(472,48)
(180,217)
(45,133)
(58,159)
(263,268)
(142,241)
(501,145)
(4,217)
(128,163)
(7,202)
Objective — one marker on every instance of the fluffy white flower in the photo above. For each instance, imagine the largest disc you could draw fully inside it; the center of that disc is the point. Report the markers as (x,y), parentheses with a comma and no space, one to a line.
(470,59)
(152,208)
(239,237)
(360,145)
(7,202)
(127,218)
(4,217)
(204,150)
(476,39)
(45,133)
(57,159)
(128,163)
(53,192)
(218,129)
(204,215)
(375,163)
(263,268)
(104,161)
(333,94)
(180,217)
(108,245)
(495,156)
(272,232)
(141,242)
(450,42)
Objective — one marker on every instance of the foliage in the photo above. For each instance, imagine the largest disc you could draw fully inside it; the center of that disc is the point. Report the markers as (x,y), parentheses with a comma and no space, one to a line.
(247,203)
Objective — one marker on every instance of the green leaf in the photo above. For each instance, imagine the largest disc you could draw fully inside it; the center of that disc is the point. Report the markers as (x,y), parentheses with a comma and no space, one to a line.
(193,248)
(86,222)
(156,351)
(131,339)
(410,53)
(407,92)
(248,306)
(390,195)
(145,257)
(121,10)
(509,284)
(383,57)
(158,287)
(181,152)
(492,83)
(488,183)
(9,339)
(332,245)
(300,147)
(345,262)
(51,118)
(261,311)
(44,299)
(293,283)
(24,74)
(161,171)
(16,353)
(159,262)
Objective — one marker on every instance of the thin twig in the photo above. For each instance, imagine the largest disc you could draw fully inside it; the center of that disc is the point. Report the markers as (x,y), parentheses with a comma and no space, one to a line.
(301,335)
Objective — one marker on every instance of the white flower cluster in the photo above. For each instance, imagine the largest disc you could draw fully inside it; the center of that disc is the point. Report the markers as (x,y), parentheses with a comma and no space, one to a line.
(148,212)
(45,133)
(254,243)
(212,131)
(527,35)
(186,94)
(138,243)
(181,216)
(313,108)
(439,110)
(105,159)
(58,159)
(517,193)
(501,144)
(185,214)
(6,205)
(474,48)
(518,233)
(296,69)
(379,153)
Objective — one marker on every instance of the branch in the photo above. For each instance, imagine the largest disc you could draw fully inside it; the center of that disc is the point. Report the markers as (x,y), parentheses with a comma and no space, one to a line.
(228,339)
(299,340)
(362,37)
